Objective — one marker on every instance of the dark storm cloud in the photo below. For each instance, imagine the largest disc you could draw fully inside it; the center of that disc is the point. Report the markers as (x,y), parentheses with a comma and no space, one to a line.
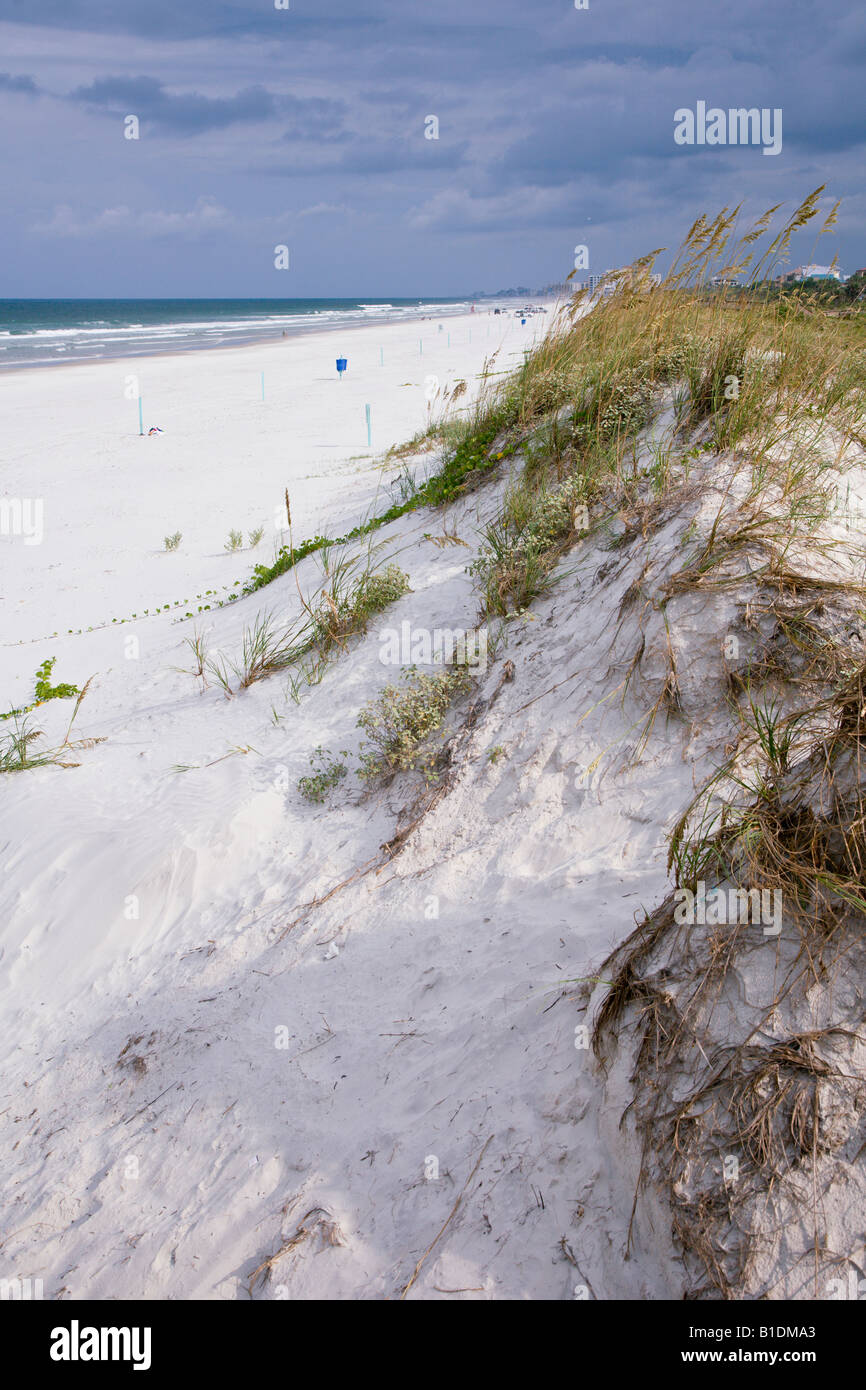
(17,84)
(188,113)
(184,113)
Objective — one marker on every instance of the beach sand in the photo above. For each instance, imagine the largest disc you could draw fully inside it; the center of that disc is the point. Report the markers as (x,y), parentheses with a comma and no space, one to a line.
(196,1066)
(224,460)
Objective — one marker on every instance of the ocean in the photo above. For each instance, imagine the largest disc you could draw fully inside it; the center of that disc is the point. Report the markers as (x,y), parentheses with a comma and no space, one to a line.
(42,332)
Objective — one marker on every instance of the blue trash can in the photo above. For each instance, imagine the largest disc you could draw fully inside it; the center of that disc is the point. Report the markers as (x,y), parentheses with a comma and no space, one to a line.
(342,364)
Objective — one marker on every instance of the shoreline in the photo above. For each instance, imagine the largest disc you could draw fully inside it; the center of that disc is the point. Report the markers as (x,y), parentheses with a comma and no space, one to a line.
(453,309)
(308,331)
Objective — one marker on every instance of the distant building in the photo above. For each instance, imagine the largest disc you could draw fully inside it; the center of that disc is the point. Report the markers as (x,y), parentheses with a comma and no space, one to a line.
(820,272)
(622,278)
(810,272)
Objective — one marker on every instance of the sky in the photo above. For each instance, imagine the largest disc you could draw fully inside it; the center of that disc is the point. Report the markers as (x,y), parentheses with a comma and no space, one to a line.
(308,127)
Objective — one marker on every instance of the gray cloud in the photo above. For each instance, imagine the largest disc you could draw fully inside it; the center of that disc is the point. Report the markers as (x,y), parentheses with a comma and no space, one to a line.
(556,128)
(190,113)
(192,19)
(387,157)
(8,83)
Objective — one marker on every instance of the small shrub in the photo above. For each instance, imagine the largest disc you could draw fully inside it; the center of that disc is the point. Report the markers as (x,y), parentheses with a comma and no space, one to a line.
(401,722)
(255,536)
(626,406)
(317,785)
(345,610)
(235,541)
(671,361)
(172,542)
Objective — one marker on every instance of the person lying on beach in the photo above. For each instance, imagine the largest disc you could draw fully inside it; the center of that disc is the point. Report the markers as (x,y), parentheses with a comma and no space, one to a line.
(154,429)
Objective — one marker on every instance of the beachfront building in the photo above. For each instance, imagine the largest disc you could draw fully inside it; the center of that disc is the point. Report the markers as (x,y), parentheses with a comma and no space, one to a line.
(810,272)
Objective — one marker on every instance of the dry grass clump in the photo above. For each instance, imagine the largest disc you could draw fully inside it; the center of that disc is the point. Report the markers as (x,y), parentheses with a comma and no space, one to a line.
(737,1120)
(738,1110)
(267,649)
(520,549)
(784,371)
(787,811)
(345,604)
(17,752)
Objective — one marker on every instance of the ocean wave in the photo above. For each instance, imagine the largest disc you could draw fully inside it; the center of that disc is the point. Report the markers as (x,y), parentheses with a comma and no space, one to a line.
(136,338)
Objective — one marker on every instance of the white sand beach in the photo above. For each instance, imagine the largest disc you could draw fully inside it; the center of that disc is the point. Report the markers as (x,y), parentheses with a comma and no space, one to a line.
(184,1075)
(71,438)
(256,1046)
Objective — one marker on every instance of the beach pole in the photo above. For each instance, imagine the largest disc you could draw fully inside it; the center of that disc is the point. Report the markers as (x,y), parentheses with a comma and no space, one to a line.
(449,339)
(420,347)
(381,357)
(263,386)
(369,428)
(140,418)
